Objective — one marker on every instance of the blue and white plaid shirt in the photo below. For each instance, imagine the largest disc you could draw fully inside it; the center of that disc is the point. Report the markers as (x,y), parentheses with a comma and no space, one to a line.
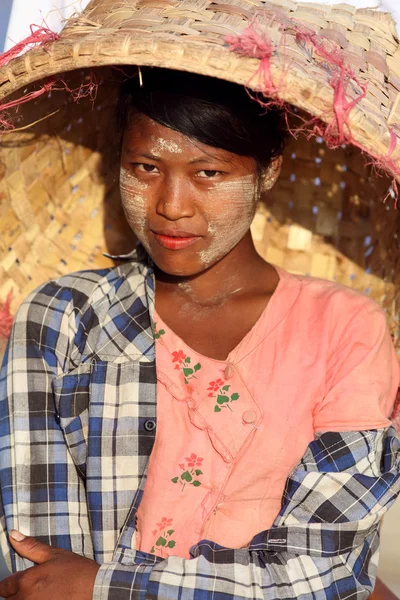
(77,426)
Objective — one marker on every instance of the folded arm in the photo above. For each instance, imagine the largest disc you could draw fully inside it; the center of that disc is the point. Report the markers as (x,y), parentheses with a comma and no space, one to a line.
(322,545)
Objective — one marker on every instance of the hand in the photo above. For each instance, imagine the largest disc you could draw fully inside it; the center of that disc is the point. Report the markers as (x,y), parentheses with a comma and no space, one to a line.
(59,574)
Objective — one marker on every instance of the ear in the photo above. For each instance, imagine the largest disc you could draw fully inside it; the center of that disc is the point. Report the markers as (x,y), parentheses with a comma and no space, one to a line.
(271,174)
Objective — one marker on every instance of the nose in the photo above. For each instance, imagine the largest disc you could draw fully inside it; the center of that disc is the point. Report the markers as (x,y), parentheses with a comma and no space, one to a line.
(174,200)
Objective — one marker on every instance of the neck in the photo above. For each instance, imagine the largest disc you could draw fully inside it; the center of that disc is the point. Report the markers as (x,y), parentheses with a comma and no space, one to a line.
(236,273)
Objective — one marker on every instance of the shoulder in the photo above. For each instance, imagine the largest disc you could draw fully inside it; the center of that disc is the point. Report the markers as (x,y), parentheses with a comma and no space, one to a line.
(332,296)
(337,309)
(72,290)
(79,291)
(65,316)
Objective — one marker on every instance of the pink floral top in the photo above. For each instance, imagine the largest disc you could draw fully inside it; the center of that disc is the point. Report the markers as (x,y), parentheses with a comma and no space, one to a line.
(229,432)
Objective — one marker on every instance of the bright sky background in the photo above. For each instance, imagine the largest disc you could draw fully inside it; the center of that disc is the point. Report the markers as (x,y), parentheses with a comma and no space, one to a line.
(21,13)
(26,12)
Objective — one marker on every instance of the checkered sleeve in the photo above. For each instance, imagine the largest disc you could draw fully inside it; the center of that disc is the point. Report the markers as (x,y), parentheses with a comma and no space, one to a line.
(323,544)
(41,493)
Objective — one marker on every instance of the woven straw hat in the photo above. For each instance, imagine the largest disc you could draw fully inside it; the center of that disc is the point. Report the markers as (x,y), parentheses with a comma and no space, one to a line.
(336,70)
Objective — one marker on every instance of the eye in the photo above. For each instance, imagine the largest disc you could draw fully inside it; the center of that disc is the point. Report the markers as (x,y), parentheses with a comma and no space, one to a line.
(145,167)
(209,173)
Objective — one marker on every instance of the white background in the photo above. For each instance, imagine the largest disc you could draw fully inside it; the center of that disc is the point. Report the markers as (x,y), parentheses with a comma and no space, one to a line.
(16,16)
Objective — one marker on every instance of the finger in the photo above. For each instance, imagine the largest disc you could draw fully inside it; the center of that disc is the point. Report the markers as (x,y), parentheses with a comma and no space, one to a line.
(9,586)
(31,548)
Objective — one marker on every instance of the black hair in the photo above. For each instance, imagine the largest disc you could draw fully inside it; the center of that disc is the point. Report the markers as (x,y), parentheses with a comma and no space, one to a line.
(212,111)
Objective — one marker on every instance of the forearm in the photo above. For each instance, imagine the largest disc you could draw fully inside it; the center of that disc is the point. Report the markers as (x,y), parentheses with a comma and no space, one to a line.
(231,575)
(323,544)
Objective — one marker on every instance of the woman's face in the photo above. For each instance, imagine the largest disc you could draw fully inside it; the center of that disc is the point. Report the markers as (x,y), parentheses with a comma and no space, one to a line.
(189,204)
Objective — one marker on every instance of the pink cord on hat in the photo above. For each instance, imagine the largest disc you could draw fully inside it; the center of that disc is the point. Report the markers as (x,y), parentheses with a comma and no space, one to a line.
(40,36)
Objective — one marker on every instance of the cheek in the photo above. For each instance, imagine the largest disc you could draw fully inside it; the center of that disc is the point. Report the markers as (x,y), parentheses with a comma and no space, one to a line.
(133,200)
(232,204)
(232,208)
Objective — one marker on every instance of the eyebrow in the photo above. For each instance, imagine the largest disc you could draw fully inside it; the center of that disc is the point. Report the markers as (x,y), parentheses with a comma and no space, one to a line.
(198,160)
(205,160)
(144,155)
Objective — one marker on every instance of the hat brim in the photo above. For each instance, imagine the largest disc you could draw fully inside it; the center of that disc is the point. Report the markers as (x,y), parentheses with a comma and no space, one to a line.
(302,56)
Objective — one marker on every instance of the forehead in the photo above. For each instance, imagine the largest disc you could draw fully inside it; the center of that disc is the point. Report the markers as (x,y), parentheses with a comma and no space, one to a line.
(143,135)
(143,132)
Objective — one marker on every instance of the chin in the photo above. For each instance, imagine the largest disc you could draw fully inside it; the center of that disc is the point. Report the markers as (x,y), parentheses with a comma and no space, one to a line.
(178,270)
(179,263)
(178,266)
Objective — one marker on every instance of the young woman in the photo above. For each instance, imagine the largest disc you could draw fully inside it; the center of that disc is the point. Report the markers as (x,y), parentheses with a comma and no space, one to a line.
(272,458)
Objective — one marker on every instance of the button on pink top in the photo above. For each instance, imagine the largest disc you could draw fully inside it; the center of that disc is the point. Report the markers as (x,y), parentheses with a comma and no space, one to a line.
(230,432)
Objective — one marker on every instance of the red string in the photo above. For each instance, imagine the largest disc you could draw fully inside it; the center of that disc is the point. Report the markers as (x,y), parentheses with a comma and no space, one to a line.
(31,96)
(40,36)
(335,131)
(6,319)
(254,42)
(85,90)
(88,89)
(251,43)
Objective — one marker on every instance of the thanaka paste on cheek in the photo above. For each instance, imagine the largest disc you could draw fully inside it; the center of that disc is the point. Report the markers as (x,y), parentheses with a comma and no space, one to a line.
(237,199)
(134,204)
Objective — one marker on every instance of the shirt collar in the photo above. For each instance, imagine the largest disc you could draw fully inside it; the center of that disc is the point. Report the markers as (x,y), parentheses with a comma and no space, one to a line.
(138,254)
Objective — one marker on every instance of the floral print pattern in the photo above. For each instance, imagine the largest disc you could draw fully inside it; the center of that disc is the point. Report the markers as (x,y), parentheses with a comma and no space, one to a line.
(163,532)
(183,363)
(158,333)
(223,398)
(189,472)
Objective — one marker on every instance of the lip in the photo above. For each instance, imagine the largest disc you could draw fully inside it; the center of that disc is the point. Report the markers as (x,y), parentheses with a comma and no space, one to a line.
(176,242)
(177,233)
